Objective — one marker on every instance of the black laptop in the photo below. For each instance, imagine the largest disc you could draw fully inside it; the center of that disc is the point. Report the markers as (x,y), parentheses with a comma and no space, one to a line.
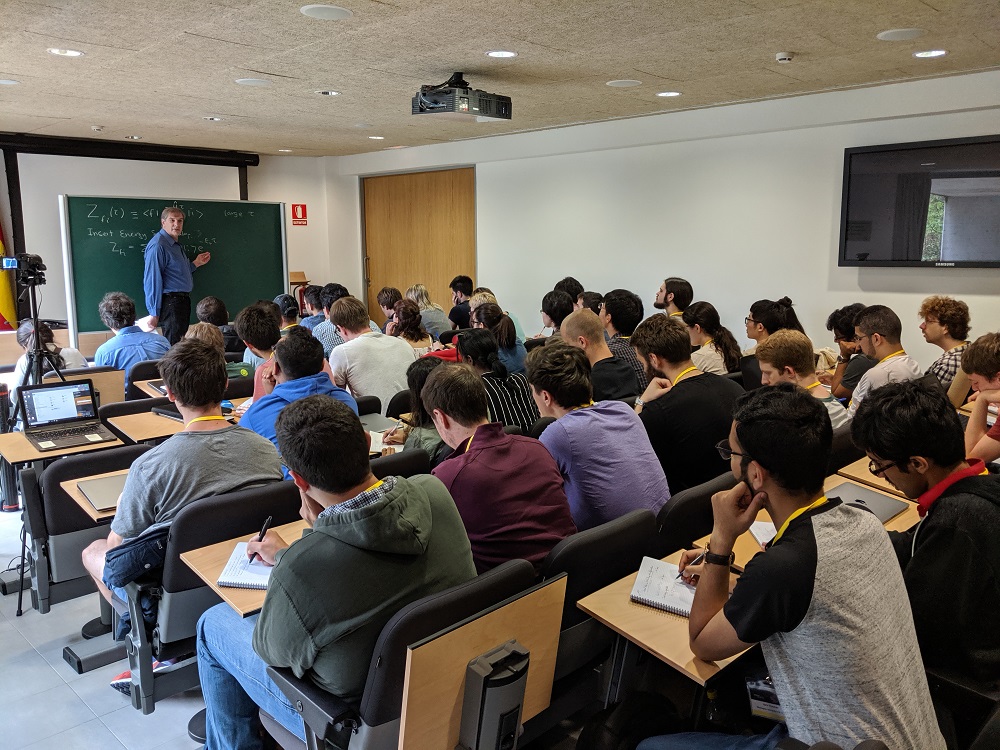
(61,415)
(884,507)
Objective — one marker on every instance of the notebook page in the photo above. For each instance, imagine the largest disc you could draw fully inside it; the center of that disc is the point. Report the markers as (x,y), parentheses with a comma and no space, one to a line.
(241,573)
(658,586)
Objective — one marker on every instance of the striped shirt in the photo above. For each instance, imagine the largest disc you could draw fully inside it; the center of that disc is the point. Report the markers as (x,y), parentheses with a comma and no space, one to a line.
(510,401)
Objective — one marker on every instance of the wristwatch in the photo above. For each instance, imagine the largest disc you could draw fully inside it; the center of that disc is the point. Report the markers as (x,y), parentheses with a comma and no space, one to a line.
(639,402)
(713,559)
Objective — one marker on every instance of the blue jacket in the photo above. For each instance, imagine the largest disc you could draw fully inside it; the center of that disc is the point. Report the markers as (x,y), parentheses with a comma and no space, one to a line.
(262,414)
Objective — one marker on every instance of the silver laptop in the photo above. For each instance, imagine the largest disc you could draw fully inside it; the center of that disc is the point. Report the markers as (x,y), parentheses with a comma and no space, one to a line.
(61,415)
(103,492)
(884,507)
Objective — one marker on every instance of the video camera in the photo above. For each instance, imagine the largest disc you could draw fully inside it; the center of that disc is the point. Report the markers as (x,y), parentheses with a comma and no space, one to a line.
(30,268)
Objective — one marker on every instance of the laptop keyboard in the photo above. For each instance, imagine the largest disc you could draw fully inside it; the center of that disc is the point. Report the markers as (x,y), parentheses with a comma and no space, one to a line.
(68,432)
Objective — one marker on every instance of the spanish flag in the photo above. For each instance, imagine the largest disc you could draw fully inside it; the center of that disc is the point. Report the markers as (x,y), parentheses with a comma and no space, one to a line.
(8,310)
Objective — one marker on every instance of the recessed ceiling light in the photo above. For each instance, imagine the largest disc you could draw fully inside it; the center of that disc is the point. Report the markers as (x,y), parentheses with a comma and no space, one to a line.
(212,119)
(133,138)
(501,53)
(253,82)
(669,93)
(362,125)
(376,137)
(927,163)
(624,83)
(899,35)
(931,53)
(64,52)
(326,12)
(8,82)
(285,150)
(327,93)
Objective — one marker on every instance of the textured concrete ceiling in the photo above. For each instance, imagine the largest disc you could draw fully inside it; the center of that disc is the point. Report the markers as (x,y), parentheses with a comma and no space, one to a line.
(157,69)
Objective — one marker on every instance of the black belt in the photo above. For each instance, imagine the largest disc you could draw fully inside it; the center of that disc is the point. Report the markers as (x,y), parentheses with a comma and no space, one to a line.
(176,294)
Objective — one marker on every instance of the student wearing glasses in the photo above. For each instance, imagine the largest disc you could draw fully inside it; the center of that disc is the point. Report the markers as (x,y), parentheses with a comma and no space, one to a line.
(877,332)
(946,325)
(851,363)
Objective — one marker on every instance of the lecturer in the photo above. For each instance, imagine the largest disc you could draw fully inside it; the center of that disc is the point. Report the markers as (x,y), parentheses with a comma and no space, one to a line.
(167,277)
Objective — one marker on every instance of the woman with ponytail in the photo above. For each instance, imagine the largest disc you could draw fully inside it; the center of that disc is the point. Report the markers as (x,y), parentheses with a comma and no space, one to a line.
(65,358)
(510,400)
(718,351)
(511,349)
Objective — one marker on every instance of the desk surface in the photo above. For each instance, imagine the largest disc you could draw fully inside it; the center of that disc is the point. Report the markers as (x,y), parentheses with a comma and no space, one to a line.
(72,488)
(662,634)
(209,562)
(858,472)
(377,423)
(150,426)
(17,449)
(145,387)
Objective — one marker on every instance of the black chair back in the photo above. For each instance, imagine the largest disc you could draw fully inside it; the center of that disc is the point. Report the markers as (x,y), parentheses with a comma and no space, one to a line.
(51,375)
(630,400)
(844,451)
(688,515)
(398,405)
(532,343)
(402,464)
(239,387)
(539,427)
(512,429)
(234,357)
(369,405)
(148,369)
(750,370)
(736,377)
(448,337)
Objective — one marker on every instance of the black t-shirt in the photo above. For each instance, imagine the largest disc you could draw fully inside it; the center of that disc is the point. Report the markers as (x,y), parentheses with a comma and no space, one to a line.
(857,366)
(685,425)
(231,340)
(459,314)
(613,378)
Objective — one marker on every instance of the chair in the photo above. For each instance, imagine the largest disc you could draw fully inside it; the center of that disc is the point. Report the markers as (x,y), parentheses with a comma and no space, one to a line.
(147,369)
(969,716)
(448,337)
(182,595)
(592,559)
(374,723)
(958,392)
(532,343)
(688,515)
(369,405)
(539,427)
(844,451)
(234,357)
(512,429)
(123,408)
(402,464)
(239,388)
(750,370)
(630,400)
(736,377)
(398,405)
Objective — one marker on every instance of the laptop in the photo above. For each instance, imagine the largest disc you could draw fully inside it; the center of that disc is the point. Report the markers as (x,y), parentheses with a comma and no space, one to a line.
(884,507)
(61,415)
(103,492)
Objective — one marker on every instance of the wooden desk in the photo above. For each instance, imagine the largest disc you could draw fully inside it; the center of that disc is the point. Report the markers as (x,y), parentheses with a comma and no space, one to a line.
(72,488)
(858,471)
(148,426)
(17,449)
(145,387)
(209,562)
(662,634)
(108,386)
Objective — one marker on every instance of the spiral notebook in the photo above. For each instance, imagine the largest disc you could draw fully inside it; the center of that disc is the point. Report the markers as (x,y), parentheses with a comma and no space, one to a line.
(657,585)
(240,573)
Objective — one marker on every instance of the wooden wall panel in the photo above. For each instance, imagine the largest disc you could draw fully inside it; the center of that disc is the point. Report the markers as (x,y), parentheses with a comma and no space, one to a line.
(420,227)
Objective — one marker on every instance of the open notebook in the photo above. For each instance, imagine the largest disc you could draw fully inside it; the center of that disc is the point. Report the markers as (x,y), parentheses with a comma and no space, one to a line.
(240,573)
(657,585)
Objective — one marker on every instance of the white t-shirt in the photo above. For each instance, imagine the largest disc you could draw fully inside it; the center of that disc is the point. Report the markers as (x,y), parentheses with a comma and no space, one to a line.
(896,369)
(708,359)
(373,364)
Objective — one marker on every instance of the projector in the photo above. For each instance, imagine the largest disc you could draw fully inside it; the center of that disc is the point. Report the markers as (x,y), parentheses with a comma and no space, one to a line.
(456,100)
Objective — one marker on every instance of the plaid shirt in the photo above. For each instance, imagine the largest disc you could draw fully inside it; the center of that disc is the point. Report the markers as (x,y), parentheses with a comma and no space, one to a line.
(369,497)
(946,367)
(621,348)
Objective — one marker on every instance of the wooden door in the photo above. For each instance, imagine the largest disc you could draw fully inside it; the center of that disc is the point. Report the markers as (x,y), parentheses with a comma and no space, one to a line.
(419,228)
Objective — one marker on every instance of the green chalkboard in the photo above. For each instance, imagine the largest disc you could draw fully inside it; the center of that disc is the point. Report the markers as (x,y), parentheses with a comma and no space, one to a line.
(104,240)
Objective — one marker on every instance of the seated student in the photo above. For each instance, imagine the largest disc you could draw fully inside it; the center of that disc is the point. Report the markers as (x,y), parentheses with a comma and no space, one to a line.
(211,335)
(130,344)
(981,362)
(674,296)
(375,547)
(611,376)
(825,601)
(288,308)
(950,560)
(685,411)
(507,487)
(419,431)
(510,348)
(432,316)
(387,298)
(787,357)
(602,450)
(767,316)
(65,358)
(851,363)
(510,401)
(621,312)
(369,363)
(296,372)
(590,300)
(461,290)
(482,295)
(946,325)
(326,331)
(258,328)
(571,286)
(405,324)
(718,351)
(556,306)
(212,310)
(878,330)
(311,295)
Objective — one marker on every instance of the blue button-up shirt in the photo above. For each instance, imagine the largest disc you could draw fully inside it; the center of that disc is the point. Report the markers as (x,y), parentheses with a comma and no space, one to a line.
(167,270)
(131,345)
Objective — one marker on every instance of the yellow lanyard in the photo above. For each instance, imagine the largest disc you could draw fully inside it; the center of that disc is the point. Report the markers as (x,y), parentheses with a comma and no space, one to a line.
(683,373)
(375,486)
(890,356)
(581,406)
(810,387)
(674,315)
(469,444)
(203,419)
(795,515)
(290,325)
(707,342)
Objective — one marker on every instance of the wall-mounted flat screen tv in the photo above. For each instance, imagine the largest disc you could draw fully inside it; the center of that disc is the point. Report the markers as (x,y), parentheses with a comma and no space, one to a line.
(934,204)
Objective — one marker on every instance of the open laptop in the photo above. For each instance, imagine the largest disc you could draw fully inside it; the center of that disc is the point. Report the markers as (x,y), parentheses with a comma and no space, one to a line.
(61,415)
(884,507)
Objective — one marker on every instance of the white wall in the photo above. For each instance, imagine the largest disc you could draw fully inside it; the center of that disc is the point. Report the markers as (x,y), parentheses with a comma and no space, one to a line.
(344,206)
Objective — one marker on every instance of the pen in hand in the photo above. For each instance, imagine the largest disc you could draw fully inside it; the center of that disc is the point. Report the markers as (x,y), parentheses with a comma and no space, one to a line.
(697,561)
(260,537)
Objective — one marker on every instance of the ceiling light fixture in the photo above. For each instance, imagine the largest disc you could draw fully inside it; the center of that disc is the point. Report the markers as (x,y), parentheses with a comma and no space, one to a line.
(133,138)
(931,53)
(326,12)
(327,93)
(899,35)
(501,53)
(376,137)
(64,52)
(669,93)
(8,82)
(212,119)
(285,150)
(260,82)
(625,83)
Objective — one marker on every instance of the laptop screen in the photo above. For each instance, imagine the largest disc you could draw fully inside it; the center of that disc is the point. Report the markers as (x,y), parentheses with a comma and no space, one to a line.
(46,404)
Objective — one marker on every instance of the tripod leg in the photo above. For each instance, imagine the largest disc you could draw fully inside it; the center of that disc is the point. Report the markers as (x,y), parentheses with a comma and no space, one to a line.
(20,571)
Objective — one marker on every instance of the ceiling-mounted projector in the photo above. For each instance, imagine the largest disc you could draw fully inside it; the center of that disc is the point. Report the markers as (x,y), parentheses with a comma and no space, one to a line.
(455,99)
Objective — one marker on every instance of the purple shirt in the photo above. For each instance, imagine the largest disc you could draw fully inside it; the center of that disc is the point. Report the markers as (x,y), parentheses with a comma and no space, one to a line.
(607,462)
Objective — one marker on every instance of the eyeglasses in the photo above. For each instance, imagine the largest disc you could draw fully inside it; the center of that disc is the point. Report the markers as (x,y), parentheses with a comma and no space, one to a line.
(877,470)
(748,320)
(726,452)
(857,339)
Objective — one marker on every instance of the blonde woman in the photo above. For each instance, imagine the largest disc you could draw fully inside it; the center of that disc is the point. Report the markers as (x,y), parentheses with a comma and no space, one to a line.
(432,316)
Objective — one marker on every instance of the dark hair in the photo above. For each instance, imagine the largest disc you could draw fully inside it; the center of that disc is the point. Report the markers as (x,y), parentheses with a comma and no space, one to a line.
(625,309)
(841,321)
(787,431)
(416,376)
(212,310)
(195,372)
(478,347)
(557,305)
(775,315)
(456,390)
(682,291)
(408,324)
(497,321)
(256,326)
(350,314)
(287,307)
(331,293)
(388,296)
(272,307)
(982,356)
(461,284)
(900,420)
(591,300)
(664,336)
(881,320)
(705,315)
(322,441)
(117,310)
(26,340)
(299,354)
(313,295)
(563,371)
(953,314)
(571,286)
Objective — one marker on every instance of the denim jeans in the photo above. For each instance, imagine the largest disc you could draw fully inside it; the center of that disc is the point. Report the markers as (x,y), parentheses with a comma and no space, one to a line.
(715,741)
(235,684)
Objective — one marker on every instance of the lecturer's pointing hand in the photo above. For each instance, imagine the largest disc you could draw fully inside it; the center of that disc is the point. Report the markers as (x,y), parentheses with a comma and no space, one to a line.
(202,259)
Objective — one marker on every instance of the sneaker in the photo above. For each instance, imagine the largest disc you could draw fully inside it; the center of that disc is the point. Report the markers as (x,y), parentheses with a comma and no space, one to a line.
(123,682)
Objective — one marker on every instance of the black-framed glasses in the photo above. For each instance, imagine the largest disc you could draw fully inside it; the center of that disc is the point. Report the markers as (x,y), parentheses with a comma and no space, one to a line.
(727,452)
(877,470)
(857,339)
(748,320)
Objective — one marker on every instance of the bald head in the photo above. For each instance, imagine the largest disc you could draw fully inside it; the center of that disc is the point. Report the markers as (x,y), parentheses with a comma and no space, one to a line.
(583,324)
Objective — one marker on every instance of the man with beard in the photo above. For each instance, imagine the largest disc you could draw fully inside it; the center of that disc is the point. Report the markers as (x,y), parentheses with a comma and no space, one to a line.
(674,296)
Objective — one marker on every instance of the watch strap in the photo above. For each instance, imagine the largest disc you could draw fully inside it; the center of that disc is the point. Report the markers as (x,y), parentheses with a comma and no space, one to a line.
(713,559)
